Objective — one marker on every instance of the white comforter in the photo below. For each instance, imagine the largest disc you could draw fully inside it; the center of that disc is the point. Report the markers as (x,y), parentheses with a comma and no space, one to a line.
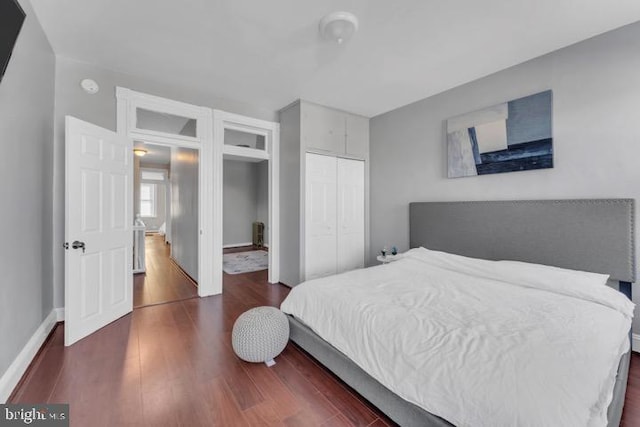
(478,343)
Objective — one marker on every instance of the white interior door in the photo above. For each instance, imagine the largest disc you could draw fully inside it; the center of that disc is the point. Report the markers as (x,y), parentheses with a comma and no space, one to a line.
(350,213)
(320,216)
(98,220)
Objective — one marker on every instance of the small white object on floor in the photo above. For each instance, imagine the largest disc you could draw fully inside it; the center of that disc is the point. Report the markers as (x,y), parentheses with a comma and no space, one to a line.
(270,363)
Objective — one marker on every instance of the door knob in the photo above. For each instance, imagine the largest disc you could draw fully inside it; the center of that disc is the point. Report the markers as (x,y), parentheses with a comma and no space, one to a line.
(77,245)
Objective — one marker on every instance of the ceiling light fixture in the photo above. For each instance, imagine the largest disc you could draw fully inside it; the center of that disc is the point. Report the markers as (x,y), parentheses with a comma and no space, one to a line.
(338,26)
(89,86)
(140,152)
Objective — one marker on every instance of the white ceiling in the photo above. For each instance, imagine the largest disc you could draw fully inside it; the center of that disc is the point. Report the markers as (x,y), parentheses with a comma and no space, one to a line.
(268,53)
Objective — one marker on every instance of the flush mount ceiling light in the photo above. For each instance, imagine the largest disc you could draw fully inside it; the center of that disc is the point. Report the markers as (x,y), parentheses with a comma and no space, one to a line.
(338,26)
(139,152)
(89,86)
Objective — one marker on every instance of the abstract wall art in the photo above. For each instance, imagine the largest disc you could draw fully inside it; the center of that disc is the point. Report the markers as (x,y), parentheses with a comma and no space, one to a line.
(508,137)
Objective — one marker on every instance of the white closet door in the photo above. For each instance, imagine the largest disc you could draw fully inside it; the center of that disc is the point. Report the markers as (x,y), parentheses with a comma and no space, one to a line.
(350,212)
(320,216)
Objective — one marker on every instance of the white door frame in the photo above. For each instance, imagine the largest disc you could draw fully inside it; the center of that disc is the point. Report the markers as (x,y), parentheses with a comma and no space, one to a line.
(128,101)
(209,140)
(223,120)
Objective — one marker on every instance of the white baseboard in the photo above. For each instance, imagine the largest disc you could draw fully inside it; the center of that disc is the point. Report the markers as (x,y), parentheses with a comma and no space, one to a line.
(236,245)
(635,342)
(59,314)
(13,374)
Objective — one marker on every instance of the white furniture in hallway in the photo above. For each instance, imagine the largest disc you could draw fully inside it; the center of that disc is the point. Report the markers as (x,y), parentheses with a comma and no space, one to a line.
(139,262)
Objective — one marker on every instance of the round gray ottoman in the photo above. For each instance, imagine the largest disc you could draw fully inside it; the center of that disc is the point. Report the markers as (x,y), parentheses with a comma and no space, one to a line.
(260,334)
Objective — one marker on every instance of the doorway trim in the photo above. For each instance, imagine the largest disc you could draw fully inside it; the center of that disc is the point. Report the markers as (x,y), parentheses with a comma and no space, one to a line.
(223,120)
(128,101)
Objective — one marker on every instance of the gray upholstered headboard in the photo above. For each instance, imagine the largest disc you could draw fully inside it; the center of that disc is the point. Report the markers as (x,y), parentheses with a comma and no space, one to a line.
(592,235)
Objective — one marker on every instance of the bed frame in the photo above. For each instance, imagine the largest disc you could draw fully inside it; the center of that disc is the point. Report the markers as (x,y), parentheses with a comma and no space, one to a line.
(592,235)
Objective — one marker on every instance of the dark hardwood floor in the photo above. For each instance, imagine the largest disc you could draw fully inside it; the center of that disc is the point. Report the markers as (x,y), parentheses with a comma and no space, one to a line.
(631,413)
(173,365)
(164,281)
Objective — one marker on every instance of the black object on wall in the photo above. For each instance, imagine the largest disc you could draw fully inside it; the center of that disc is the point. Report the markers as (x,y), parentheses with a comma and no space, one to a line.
(11,20)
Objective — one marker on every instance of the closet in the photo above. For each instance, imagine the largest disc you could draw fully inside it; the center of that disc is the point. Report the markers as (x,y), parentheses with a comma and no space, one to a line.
(334,215)
(324,191)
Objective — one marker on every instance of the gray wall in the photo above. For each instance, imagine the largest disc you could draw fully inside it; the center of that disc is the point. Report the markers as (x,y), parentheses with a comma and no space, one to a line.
(240,201)
(100,109)
(245,199)
(236,137)
(26,127)
(184,209)
(161,122)
(262,189)
(596,112)
(290,268)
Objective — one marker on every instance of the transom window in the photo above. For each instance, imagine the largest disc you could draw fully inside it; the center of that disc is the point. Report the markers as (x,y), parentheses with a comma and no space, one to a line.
(151,175)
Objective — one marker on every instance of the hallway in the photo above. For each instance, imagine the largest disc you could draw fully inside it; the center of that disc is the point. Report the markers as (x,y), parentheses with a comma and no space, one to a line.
(164,281)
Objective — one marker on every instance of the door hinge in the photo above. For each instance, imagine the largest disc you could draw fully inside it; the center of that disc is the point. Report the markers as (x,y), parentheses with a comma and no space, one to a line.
(65,245)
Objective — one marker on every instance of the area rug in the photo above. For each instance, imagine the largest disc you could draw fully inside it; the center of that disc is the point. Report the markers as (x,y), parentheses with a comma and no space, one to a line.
(245,262)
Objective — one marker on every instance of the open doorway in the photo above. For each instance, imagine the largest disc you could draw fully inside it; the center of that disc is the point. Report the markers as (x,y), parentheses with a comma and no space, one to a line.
(166,211)
(248,184)
(245,218)
(137,115)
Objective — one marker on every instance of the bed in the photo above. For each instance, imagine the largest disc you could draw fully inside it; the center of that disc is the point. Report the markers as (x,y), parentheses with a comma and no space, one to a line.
(585,235)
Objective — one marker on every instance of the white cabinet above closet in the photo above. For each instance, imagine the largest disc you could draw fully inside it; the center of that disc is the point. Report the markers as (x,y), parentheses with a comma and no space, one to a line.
(322,128)
(357,138)
(333,131)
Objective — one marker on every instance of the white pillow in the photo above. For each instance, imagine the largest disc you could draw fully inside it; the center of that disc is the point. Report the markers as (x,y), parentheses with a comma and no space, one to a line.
(574,283)
(523,272)
(538,272)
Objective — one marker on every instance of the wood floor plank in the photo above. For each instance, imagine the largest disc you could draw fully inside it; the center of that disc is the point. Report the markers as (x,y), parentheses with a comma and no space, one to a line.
(343,399)
(242,387)
(631,411)
(157,407)
(189,405)
(263,414)
(316,407)
(280,398)
(379,423)
(43,374)
(337,421)
(306,417)
(222,406)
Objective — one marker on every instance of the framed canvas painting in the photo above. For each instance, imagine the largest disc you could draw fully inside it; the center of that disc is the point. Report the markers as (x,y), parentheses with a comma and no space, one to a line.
(508,137)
